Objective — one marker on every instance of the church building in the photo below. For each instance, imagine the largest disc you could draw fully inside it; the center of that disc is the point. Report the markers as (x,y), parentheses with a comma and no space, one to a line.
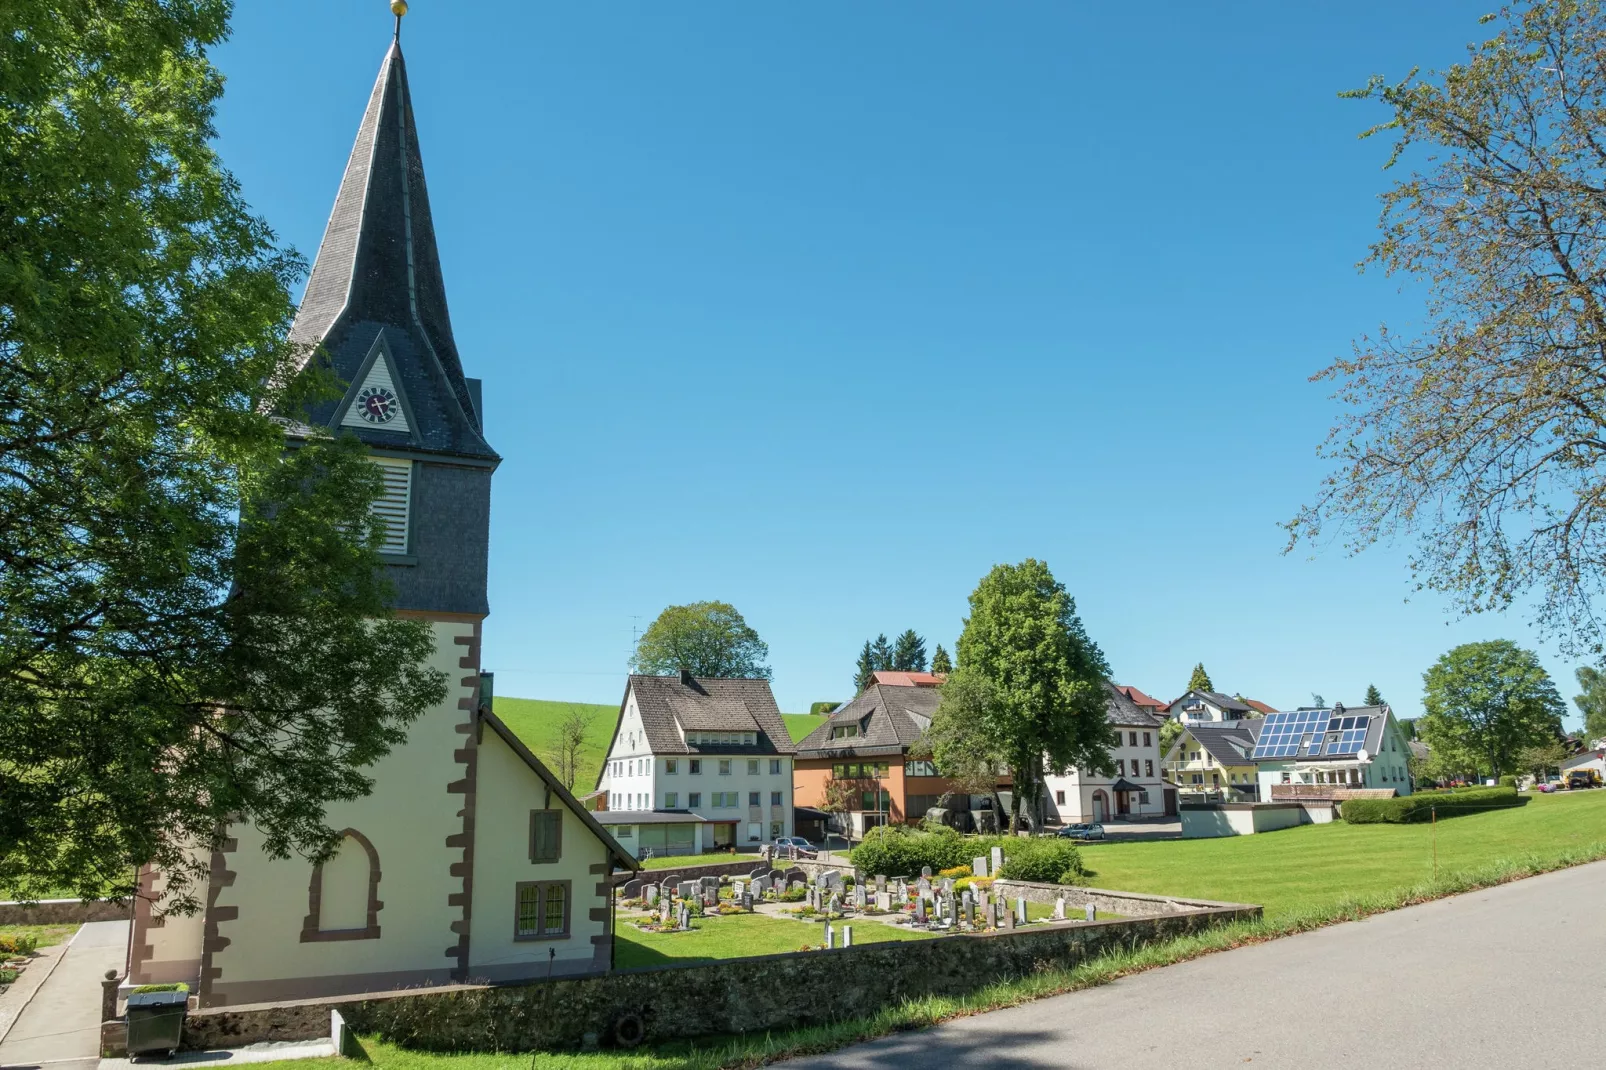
(469,861)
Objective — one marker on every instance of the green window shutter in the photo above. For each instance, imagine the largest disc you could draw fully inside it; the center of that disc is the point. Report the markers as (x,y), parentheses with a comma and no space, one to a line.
(546,835)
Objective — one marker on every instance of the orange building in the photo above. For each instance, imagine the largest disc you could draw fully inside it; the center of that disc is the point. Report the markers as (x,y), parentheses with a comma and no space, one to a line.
(860,756)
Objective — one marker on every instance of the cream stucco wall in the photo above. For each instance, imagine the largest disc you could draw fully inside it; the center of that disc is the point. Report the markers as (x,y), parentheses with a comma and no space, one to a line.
(508,791)
(408,818)
(171,945)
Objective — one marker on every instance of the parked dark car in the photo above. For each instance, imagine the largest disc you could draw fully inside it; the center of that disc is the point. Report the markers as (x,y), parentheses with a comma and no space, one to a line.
(1082,831)
(802,847)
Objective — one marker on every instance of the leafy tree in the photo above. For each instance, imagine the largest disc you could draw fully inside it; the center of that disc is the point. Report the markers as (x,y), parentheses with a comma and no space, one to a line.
(569,743)
(864,676)
(940,662)
(1169,733)
(195,624)
(909,652)
(1540,758)
(882,652)
(1479,437)
(1200,680)
(962,741)
(1486,702)
(1050,679)
(1592,703)
(707,639)
(1374,697)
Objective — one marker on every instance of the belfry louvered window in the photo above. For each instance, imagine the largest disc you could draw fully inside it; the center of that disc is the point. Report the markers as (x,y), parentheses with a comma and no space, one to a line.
(394,503)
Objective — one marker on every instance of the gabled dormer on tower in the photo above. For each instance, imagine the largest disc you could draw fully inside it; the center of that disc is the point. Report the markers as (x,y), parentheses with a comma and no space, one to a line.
(375,312)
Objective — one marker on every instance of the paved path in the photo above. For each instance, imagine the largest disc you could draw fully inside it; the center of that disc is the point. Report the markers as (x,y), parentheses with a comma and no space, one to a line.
(59,1029)
(1510,976)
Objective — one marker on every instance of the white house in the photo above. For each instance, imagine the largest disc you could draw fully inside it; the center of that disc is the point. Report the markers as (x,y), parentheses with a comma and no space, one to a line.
(468,860)
(1360,747)
(1135,788)
(697,764)
(1208,707)
(1590,759)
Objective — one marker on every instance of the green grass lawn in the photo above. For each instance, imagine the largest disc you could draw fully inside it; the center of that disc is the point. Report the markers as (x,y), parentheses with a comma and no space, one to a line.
(535,721)
(733,937)
(801,724)
(45,934)
(1314,865)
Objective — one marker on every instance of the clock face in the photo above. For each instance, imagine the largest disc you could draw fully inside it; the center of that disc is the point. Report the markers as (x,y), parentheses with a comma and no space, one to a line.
(378,405)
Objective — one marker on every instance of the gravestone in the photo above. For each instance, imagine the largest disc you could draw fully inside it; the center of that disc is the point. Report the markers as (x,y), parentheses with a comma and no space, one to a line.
(847,936)
(998,860)
(760,885)
(923,887)
(671,881)
(881,882)
(1020,909)
(738,889)
(1009,917)
(664,913)
(710,898)
(796,886)
(685,916)
(860,899)
(833,906)
(778,875)
(761,871)
(978,867)
(632,889)
(883,900)
(652,895)
(688,889)
(925,872)
(709,882)
(830,936)
(1092,913)
(920,911)
(970,908)
(1059,908)
(858,875)
(747,901)
(795,874)
(948,885)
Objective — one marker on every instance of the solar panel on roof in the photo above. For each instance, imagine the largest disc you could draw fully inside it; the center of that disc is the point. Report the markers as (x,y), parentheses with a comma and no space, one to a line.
(1283,734)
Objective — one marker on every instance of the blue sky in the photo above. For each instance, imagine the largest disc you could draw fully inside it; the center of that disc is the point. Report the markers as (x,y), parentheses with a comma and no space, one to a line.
(824,310)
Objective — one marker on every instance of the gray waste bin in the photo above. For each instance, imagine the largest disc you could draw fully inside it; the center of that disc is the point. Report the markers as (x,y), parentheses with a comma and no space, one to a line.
(155,1021)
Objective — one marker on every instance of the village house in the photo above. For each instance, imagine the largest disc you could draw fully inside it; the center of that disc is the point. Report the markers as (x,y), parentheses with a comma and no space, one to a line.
(1135,789)
(469,860)
(697,764)
(1146,703)
(1207,707)
(1212,763)
(861,754)
(1307,752)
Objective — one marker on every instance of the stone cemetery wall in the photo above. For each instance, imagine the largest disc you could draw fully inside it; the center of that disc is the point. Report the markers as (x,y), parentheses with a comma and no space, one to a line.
(669,1002)
(739,866)
(1126,904)
(63,912)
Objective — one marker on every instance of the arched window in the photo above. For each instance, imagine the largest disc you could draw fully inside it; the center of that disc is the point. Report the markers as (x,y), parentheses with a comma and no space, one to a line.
(343,898)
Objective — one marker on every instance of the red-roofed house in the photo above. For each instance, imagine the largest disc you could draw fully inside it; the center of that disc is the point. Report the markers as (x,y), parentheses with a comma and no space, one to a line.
(1142,701)
(1260,706)
(891,678)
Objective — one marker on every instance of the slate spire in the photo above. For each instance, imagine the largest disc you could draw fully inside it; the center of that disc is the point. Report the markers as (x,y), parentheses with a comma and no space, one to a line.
(376,299)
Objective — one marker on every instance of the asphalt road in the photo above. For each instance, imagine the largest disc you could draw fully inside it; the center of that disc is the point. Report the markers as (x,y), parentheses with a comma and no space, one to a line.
(1510,976)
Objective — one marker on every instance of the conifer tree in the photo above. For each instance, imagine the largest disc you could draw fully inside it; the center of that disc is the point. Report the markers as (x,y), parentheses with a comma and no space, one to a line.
(882,652)
(1374,697)
(940,662)
(864,676)
(909,652)
(1200,680)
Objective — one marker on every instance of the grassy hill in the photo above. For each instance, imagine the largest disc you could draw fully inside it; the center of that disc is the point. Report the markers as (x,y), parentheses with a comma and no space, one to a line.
(535,720)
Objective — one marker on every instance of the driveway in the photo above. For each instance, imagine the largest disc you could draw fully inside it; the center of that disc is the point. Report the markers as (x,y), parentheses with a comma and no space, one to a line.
(1508,976)
(60,1027)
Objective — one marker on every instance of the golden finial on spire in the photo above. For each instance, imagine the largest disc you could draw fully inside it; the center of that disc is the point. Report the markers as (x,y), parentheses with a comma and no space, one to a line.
(398,8)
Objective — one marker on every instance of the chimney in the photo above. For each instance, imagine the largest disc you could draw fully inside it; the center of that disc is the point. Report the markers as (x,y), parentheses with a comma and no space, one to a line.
(685,677)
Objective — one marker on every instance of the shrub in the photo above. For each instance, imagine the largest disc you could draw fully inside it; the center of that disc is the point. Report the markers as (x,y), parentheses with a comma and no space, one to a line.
(794,895)
(1042,860)
(977,884)
(823,707)
(1424,805)
(955,872)
(20,944)
(176,987)
(899,851)
(1508,781)
(7,977)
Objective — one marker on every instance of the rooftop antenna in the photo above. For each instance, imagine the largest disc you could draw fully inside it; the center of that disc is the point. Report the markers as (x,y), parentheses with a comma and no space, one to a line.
(398,8)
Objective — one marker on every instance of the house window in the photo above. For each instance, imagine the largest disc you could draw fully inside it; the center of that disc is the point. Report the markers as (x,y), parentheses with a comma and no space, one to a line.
(542,911)
(775,766)
(694,799)
(1120,767)
(920,768)
(546,835)
(775,829)
(623,832)
(752,767)
(1145,739)
(753,798)
(1285,776)
(724,767)
(775,798)
(670,799)
(845,731)
(1148,767)
(1132,739)
(839,771)
(696,766)
(1059,797)
(1143,798)
(671,766)
(394,503)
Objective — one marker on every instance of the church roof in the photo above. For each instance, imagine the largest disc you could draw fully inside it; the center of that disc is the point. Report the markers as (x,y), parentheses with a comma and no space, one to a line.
(376,299)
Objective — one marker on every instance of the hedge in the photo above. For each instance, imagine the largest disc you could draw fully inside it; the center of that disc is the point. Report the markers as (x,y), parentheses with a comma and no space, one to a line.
(823,707)
(896,850)
(1424,805)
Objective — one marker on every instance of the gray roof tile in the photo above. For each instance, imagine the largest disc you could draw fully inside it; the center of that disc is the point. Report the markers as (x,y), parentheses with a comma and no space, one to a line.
(669,708)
